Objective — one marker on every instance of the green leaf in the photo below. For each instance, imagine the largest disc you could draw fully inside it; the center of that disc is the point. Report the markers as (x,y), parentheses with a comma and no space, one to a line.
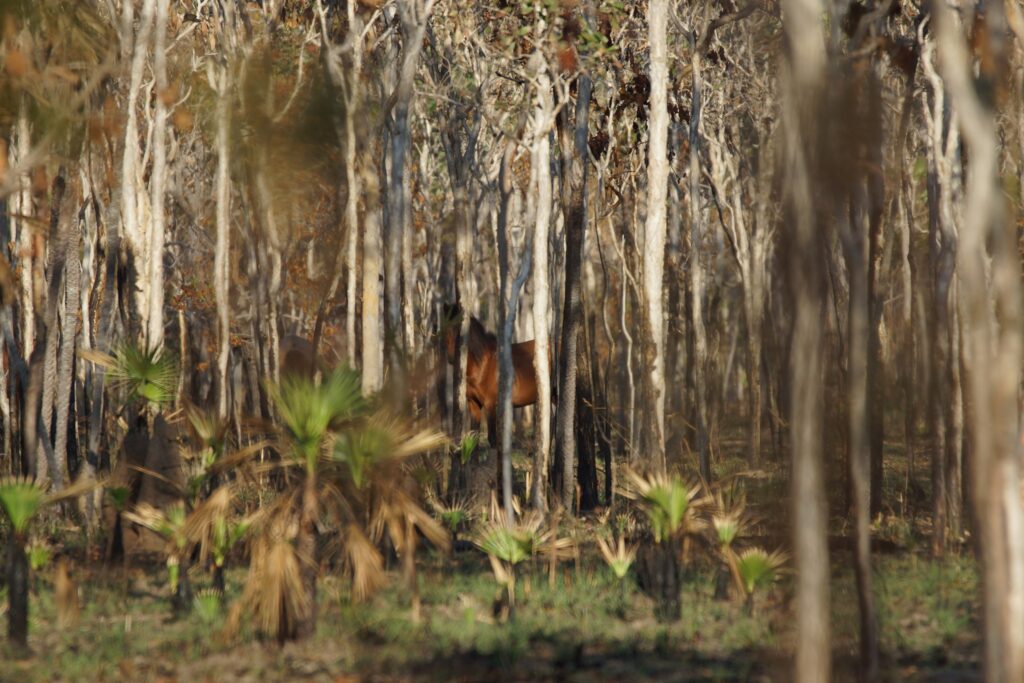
(119,496)
(39,555)
(309,410)
(506,544)
(150,374)
(757,568)
(208,606)
(468,446)
(21,499)
(361,449)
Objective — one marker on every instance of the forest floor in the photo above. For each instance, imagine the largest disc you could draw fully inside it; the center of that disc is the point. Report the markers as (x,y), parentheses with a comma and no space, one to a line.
(586,626)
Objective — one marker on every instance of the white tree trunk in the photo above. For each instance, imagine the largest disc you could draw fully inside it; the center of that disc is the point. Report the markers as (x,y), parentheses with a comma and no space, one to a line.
(132,186)
(992,345)
(221,257)
(157,186)
(352,180)
(657,197)
(541,160)
(22,208)
(806,75)
(373,350)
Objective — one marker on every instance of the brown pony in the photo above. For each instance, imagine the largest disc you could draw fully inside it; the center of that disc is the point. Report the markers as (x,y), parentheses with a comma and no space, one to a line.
(482,369)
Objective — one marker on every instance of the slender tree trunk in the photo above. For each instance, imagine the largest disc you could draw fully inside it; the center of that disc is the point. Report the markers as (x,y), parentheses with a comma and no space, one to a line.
(574,163)
(23,209)
(805,79)
(157,184)
(132,186)
(654,236)
(17,591)
(543,118)
(373,353)
(221,258)
(943,137)
(509,293)
(352,180)
(700,343)
(412,25)
(860,430)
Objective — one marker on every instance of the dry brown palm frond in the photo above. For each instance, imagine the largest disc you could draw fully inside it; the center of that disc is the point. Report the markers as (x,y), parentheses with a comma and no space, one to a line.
(498,510)
(178,488)
(418,442)
(394,508)
(199,527)
(273,595)
(277,518)
(240,457)
(104,360)
(366,563)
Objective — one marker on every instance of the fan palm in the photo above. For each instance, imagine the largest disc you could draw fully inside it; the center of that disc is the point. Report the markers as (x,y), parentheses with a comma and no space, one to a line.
(171,524)
(148,374)
(671,505)
(347,459)
(21,499)
(509,543)
(728,522)
(215,528)
(757,568)
(618,558)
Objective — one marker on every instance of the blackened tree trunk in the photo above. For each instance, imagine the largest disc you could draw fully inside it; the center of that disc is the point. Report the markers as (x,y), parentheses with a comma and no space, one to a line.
(17,591)
(574,163)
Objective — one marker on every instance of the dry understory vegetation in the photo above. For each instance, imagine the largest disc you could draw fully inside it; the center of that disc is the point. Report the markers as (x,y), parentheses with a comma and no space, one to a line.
(530,340)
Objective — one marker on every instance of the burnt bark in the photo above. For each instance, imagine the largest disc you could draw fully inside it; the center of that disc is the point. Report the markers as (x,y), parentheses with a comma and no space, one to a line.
(574,162)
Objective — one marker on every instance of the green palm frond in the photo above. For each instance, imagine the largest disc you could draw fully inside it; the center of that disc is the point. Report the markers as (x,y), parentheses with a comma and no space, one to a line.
(209,428)
(39,554)
(728,526)
(119,496)
(729,519)
(454,515)
(671,504)
(208,604)
(505,543)
(149,374)
(382,438)
(620,558)
(308,410)
(468,446)
(21,499)
(515,542)
(757,568)
(361,449)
